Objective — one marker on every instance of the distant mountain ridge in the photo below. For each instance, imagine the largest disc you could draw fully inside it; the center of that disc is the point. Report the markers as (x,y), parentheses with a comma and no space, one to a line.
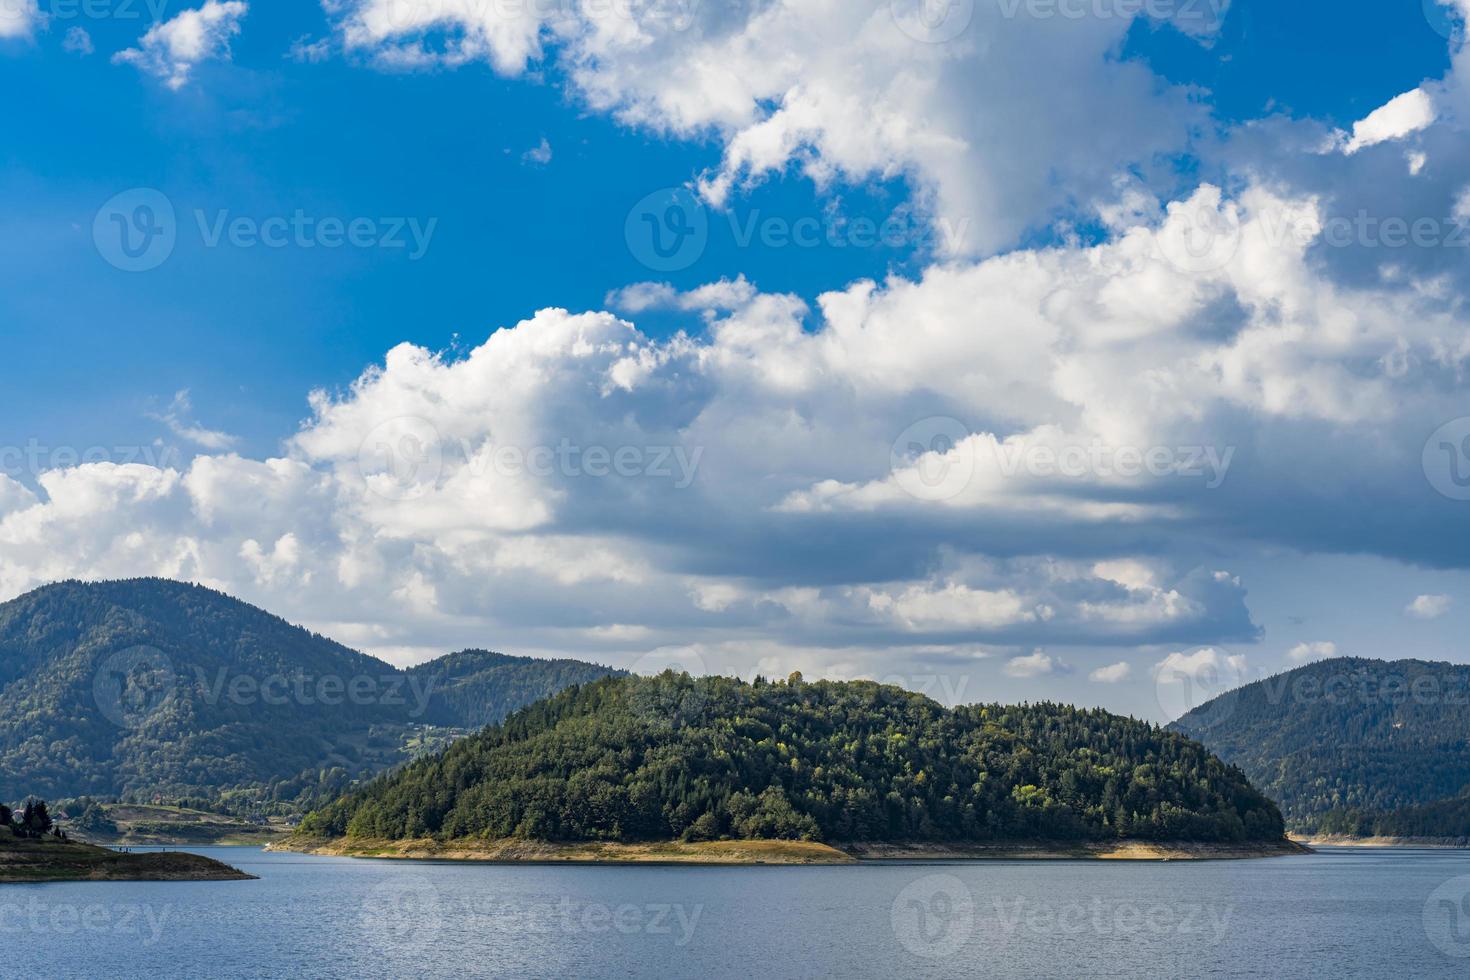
(153,687)
(1351,741)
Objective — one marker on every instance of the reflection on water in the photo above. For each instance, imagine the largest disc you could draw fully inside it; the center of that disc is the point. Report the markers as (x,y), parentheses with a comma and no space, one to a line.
(1338,913)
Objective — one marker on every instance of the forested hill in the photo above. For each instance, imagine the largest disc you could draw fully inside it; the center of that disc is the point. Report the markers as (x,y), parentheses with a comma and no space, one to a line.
(673,757)
(149,687)
(1349,735)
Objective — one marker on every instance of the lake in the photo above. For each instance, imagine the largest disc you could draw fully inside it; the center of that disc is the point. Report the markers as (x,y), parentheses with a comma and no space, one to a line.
(1337,913)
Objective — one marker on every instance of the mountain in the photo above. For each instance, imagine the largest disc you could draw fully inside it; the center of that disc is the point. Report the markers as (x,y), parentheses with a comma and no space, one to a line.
(149,687)
(674,757)
(1347,736)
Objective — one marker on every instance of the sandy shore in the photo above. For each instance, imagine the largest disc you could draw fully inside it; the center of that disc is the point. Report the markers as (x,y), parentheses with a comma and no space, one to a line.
(53,860)
(772,852)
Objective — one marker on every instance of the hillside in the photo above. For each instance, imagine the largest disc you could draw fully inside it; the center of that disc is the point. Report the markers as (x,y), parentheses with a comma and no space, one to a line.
(675,758)
(149,687)
(1351,738)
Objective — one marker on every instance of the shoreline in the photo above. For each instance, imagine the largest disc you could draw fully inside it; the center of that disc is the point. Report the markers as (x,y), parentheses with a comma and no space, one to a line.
(1420,843)
(41,861)
(767,852)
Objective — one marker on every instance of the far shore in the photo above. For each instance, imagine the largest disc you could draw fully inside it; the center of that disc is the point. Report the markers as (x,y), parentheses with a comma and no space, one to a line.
(1338,840)
(769,852)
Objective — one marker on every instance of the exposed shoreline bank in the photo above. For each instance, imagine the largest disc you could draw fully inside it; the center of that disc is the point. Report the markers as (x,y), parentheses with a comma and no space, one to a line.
(758,852)
(1337,840)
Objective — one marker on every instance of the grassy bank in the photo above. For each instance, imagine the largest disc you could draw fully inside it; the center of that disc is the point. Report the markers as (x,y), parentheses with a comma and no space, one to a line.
(56,860)
(769,851)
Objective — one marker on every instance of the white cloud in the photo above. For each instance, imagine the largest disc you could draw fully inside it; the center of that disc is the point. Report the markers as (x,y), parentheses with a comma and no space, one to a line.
(178,418)
(540,154)
(1318,650)
(1111,674)
(1429,606)
(1403,116)
(1207,663)
(1036,664)
(20,18)
(841,90)
(78,42)
(171,49)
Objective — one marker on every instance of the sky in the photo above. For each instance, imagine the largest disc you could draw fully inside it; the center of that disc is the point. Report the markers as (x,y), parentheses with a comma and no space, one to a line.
(1102,351)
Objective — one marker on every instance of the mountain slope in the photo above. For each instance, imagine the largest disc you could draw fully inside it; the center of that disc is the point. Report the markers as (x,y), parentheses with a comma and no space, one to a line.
(635,758)
(1346,734)
(150,686)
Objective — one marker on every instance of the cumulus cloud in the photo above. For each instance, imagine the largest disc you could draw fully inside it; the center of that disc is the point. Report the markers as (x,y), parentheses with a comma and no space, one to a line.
(842,90)
(1429,606)
(1403,116)
(1036,664)
(1111,674)
(170,50)
(1318,650)
(20,18)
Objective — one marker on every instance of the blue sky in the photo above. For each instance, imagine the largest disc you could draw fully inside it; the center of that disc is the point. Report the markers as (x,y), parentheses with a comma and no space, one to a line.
(520,176)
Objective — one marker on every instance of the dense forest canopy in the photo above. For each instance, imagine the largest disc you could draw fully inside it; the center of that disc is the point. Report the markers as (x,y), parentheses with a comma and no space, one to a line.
(1358,739)
(150,688)
(669,757)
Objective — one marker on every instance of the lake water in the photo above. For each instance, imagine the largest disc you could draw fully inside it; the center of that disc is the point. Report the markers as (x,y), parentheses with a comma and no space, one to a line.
(1341,912)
